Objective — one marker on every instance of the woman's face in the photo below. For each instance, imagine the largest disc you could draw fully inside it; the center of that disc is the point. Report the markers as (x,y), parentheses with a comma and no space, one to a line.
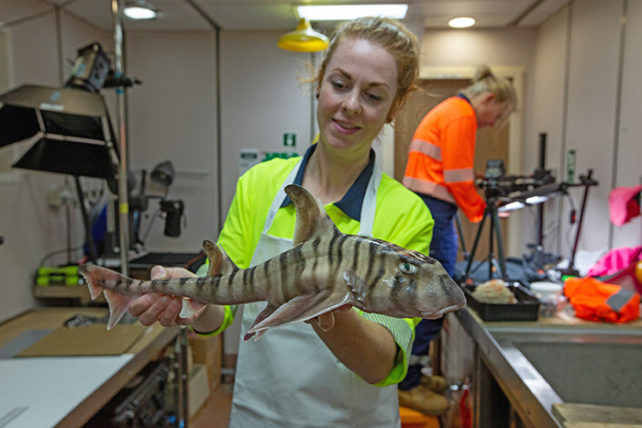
(356,94)
(490,112)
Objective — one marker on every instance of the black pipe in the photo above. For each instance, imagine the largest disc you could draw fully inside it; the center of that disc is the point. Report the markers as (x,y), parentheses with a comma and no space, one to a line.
(85,221)
(586,182)
(540,208)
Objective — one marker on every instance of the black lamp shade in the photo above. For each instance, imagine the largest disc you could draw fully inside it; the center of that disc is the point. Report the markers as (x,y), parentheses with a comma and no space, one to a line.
(68,157)
(76,136)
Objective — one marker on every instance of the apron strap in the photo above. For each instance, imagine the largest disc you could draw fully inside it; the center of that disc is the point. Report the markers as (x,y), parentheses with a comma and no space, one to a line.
(369,205)
(280,196)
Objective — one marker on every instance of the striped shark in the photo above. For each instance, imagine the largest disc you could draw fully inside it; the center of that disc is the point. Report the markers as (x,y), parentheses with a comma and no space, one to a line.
(324,270)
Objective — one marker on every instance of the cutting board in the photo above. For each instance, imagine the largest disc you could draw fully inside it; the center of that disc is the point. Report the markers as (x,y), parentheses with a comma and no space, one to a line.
(594,416)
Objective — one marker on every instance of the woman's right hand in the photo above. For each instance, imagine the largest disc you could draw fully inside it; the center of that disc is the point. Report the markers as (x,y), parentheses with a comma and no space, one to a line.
(150,308)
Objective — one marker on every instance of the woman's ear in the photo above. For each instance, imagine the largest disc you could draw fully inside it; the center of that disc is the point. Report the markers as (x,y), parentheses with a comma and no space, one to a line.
(488,97)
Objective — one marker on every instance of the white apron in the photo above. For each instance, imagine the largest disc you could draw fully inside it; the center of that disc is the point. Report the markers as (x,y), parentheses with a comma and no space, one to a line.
(289,378)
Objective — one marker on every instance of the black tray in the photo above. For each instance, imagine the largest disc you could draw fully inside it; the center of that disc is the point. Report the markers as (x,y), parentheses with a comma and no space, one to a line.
(525,309)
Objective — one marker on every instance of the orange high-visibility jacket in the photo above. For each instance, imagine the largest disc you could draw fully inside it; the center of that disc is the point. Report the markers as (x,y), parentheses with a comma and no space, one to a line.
(595,300)
(442,154)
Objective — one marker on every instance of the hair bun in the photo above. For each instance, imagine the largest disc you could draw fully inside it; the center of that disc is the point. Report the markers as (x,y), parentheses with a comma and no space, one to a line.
(483,72)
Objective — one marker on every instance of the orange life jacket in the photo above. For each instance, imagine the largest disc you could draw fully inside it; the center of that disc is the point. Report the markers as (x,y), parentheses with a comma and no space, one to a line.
(599,301)
(442,157)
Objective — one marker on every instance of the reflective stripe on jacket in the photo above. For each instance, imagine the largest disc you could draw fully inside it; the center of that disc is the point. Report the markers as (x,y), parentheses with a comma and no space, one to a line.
(442,155)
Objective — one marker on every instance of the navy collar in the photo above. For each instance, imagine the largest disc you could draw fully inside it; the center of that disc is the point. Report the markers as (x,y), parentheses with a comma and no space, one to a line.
(463,97)
(352,201)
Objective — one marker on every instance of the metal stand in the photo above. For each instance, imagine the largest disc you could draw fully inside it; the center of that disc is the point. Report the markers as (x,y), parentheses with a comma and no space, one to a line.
(460,232)
(494,264)
(586,181)
(182,377)
(85,221)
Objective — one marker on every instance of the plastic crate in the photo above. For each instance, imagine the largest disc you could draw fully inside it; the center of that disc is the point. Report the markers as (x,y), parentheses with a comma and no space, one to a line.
(526,308)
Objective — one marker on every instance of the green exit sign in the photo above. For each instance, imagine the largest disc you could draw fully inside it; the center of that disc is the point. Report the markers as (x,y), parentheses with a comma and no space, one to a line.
(289,139)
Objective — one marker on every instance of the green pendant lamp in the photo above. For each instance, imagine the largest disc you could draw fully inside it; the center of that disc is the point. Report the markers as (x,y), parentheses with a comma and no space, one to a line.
(303,39)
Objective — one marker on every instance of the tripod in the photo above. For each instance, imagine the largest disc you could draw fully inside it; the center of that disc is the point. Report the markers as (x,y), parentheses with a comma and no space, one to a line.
(494,264)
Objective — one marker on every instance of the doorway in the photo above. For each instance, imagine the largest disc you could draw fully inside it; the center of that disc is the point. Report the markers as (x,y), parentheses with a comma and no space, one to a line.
(492,143)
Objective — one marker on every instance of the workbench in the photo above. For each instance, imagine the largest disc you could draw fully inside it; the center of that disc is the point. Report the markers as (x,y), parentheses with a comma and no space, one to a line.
(66,391)
(510,391)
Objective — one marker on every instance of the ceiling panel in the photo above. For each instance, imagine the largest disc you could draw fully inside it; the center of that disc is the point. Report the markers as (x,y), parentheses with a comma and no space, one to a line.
(187,15)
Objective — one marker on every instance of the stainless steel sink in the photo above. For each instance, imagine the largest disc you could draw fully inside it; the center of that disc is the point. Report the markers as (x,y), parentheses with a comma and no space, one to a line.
(598,366)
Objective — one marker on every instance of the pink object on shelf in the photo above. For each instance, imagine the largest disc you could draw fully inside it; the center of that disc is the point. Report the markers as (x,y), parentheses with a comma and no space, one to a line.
(624,204)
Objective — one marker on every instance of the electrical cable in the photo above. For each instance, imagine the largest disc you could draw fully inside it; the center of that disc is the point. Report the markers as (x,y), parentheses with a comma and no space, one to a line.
(55,252)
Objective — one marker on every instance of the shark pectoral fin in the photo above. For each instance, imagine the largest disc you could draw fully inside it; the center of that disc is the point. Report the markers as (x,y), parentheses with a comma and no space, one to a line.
(302,308)
(118,304)
(265,313)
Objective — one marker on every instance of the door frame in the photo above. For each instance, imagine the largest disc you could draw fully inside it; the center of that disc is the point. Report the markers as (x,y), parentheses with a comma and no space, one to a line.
(515,137)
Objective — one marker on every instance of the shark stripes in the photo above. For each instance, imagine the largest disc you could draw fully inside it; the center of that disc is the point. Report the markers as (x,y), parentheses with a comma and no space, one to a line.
(328,269)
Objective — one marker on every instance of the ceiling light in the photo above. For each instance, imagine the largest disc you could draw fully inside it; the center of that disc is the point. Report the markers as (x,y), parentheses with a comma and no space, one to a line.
(461,22)
(140,10)
(303,39)
(345,12)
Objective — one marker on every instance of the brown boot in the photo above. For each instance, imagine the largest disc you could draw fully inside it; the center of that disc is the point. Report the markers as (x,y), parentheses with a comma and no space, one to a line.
(423,400)
(434,383)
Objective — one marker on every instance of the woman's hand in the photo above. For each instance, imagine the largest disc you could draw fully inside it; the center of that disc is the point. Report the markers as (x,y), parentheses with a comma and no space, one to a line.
(150,308)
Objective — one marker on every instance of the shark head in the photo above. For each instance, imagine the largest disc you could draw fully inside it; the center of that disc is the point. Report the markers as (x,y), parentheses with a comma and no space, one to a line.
(409,284)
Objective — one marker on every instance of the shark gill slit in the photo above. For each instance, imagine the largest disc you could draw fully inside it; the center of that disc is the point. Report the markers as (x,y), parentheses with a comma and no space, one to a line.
(396,292)
(315,259)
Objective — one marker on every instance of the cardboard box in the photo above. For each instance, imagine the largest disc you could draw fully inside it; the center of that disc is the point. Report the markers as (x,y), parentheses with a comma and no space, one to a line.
(198,388)
(207,350)
(91,339)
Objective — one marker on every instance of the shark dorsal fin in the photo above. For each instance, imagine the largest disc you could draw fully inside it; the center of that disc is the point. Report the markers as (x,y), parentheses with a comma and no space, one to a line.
(220,263)
(311,218)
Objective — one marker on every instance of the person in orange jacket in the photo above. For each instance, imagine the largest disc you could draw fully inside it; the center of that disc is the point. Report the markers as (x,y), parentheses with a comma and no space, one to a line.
(440,170)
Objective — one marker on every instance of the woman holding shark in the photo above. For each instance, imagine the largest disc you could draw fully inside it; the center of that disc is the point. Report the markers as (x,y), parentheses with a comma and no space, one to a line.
(341,368)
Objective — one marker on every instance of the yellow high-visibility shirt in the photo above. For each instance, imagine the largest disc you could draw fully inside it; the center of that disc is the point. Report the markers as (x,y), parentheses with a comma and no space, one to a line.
(401,217)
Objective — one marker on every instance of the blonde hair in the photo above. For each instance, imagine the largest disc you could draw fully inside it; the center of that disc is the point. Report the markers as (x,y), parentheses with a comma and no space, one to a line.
(486,81)
(391,35)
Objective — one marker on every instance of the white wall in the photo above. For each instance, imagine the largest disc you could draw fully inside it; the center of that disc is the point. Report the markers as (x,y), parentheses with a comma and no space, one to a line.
(172,116)
(629,150)
(588,99)
(261,98)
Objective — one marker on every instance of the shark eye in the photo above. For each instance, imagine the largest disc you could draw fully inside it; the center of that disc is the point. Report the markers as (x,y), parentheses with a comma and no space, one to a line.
(407,268)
